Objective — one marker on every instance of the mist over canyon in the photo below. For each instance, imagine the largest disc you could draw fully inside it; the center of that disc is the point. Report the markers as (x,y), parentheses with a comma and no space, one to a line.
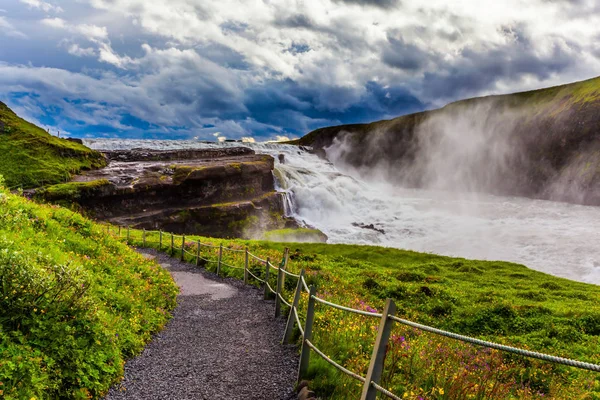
(541,144)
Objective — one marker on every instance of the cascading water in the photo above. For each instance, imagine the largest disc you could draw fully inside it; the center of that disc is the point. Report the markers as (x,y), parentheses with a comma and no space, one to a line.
(557,238)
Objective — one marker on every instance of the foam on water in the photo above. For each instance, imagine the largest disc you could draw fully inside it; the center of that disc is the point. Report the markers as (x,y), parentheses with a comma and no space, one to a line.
(557,238)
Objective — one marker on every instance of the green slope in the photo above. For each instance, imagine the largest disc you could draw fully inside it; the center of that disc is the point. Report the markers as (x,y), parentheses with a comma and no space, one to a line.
(30,157)
(548,101)
(74,303)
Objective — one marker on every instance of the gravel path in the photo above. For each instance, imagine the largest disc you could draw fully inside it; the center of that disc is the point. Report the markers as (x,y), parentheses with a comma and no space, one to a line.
(222,343)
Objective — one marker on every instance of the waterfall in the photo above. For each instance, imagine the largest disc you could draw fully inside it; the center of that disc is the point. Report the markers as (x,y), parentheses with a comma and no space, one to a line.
(556,238)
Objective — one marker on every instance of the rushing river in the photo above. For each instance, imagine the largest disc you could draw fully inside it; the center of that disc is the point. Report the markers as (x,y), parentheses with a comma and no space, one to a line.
(557,238)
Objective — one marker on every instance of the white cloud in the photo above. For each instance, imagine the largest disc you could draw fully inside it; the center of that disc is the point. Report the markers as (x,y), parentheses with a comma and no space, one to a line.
(89,31)
(55,22)
(247,139)
(42,5)
(346,41)
(9,30)
(78,51)
(221,138)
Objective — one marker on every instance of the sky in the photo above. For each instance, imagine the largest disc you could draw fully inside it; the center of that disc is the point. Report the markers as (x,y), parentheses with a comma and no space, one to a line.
(275,69)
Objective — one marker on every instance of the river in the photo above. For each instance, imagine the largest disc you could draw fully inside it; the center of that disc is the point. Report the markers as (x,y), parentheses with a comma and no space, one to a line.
(557,238)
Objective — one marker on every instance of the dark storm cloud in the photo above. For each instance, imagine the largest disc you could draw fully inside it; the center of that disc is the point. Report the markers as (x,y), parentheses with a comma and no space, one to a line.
(295,21)
(405,56)
(299,108)
(478,70)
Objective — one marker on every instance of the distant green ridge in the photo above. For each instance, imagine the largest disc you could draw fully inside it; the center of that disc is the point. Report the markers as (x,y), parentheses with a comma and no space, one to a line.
(552,100)
(31,157)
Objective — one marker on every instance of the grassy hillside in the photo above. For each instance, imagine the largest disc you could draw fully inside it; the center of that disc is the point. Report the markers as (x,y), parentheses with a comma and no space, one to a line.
(542,143)
(30,157)
(74,303)
(498,301)
(548,101)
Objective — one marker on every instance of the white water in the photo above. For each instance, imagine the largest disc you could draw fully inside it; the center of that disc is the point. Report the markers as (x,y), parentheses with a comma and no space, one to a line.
(557,238)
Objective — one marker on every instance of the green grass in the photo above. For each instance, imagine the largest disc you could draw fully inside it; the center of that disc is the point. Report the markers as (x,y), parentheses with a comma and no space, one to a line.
(74,303)
(30,157)
(295,235)
(497,301)
(71,191)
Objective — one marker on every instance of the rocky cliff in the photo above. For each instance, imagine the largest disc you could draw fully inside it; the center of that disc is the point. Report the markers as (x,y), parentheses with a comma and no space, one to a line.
(215,192)
(542,144)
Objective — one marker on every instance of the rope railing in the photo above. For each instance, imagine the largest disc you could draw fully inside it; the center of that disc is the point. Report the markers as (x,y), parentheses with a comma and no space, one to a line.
(283,300)
(257,258)
(492,345)
(330,361)
(303,281)
(288,273)
(371,386)
(299,326)
(209,245)
(384,391)
(352,310)
(256,277)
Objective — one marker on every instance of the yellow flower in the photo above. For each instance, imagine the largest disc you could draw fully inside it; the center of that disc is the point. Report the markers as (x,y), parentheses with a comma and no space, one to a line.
(441,390)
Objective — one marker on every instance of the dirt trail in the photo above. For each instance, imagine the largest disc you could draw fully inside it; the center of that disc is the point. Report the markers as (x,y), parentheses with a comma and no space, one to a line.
(222,343)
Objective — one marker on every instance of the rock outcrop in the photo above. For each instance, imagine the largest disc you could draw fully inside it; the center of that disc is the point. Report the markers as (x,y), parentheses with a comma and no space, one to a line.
(217,192)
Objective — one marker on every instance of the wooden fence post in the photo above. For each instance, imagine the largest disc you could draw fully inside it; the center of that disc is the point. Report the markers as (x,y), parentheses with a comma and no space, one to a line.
(278,291)
(172,245)
(160,240)
(119,230)
(266,285)
(220,259)
(127,234)
(246,267)
(289,327)
(378,356)
(305,353)
(144,237)
(197,253)
(182,246)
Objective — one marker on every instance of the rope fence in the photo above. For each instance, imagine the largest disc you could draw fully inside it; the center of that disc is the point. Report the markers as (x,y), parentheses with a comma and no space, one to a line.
(371,382)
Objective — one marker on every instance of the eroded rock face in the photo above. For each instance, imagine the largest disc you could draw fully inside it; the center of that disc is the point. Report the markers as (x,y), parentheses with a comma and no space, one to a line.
(217,192)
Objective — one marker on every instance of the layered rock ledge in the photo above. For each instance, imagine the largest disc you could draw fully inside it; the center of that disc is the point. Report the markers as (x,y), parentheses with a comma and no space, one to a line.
(218,192)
